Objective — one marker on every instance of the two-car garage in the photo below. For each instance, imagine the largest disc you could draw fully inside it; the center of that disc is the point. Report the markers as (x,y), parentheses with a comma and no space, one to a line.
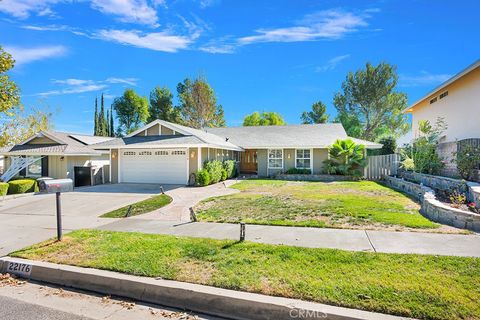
(165,166)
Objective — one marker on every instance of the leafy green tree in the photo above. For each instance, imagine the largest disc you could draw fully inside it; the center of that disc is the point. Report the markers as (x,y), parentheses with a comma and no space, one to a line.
(346,158)
(20,125)
(317,115)
(422,152)
(9,92)
(368,106)
(198,104)
(263,119)
(131,110)
(102,120)
(161,106)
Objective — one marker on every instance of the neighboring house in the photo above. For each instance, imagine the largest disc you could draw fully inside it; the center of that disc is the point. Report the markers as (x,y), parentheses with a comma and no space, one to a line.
(169,153)
(457,101)
(60,155)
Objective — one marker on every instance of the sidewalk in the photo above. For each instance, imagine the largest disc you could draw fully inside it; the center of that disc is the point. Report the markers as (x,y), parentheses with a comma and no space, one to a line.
(353,240)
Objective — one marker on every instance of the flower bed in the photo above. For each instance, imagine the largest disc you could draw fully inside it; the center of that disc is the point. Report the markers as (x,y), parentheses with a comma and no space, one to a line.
(433,208)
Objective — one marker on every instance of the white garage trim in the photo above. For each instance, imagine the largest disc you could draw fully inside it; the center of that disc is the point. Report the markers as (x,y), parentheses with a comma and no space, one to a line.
(163,166)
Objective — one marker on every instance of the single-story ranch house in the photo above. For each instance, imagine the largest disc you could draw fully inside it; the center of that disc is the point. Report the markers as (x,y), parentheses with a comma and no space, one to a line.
(169,153)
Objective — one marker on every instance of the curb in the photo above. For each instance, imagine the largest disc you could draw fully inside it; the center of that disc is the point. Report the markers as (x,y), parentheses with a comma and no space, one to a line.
(186,296)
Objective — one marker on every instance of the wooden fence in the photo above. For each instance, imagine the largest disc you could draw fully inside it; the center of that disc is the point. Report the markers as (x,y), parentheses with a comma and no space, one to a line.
(378,166)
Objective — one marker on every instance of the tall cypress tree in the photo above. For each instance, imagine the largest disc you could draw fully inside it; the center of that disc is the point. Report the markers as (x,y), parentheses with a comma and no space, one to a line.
(95,122)
(112,126)
(102,128)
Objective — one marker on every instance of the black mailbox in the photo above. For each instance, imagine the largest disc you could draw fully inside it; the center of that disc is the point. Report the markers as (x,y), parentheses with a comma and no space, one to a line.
(55,185)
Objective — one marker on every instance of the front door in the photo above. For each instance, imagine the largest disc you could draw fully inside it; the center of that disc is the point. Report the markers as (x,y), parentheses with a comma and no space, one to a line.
(248,161)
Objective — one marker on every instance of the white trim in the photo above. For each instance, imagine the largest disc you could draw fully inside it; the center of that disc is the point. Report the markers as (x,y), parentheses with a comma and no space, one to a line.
(119,177)
(188,165)
(160,122)
(110,167)
(311,159)
(465,71)
(268,159)
(199,158)
(42,134)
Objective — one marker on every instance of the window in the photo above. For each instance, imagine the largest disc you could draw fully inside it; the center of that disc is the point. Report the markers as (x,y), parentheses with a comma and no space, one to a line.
(161,153)
(129,153)
(443,95)
(145,153)
(35,169)
(275,159)
(303,159)
(178,153)
(433,100)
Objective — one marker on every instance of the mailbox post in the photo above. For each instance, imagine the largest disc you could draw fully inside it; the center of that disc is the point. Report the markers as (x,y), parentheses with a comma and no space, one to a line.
(57,186)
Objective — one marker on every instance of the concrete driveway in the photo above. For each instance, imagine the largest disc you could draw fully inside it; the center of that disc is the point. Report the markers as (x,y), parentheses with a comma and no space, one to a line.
(31,219)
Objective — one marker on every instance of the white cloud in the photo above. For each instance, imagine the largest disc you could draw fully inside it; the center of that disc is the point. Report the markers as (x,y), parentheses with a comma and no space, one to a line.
(221,48)
(129,81)
(423,79)
(22,9)
(74,85)
(328,24)
(24,55)
(158,41)
(136,11)
(332,63)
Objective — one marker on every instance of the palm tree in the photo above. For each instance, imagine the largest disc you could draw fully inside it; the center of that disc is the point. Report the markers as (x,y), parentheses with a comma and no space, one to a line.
(347,157)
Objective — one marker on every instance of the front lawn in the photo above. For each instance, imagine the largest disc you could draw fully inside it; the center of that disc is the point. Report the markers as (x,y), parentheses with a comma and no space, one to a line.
(420,286)
(349,204)
(141,207)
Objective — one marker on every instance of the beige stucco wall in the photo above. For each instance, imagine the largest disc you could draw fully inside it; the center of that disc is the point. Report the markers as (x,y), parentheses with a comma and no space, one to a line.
(57,168)
(114,166)
(166,131)
(192,160)
(42,140)
(461,108)
(319,155)
(154,130)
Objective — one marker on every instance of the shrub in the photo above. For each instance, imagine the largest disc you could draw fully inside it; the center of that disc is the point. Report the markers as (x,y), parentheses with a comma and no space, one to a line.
(22,186)
(346,158)
(203,178)
(229,166)
(389,145)
(298,171)
(3,188)
(214,169)
(467,159)
(224,175)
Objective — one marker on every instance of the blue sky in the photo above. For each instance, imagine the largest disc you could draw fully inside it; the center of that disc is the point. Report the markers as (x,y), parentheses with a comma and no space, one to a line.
(258,55)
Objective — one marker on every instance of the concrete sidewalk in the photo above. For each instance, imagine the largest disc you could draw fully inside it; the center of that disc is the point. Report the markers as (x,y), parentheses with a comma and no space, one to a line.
(353,240)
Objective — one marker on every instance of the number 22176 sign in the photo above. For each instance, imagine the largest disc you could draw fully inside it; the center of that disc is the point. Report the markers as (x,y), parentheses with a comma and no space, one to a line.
(20,269)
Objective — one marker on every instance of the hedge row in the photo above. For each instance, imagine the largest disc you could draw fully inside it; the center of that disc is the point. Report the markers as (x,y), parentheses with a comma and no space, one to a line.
(18,186)
(215,171)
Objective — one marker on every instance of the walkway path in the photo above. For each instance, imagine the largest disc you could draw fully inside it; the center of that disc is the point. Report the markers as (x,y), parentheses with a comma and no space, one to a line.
(184,198)
(354,240)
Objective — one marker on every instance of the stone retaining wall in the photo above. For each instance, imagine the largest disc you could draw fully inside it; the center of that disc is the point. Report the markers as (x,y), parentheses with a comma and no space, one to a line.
(313,177)
(433,209)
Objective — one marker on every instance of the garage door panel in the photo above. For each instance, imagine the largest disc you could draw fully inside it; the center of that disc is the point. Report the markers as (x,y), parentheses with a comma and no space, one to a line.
(168,166)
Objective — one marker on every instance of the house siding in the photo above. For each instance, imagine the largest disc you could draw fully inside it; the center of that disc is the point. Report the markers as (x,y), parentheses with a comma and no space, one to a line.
(319,155)
(166,131)
(154,130)
(42,140)
(192,160)
(57,168)
(114,165)
(458,108)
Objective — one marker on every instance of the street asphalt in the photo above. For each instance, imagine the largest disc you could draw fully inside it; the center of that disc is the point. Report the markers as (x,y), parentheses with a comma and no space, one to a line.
(13,309)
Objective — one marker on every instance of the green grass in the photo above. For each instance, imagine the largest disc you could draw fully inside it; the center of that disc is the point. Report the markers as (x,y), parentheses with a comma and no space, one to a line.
(140,207)
(419,286)
(349,204)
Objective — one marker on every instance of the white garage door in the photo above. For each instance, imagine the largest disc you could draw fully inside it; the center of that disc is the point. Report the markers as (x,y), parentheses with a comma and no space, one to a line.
(167,166)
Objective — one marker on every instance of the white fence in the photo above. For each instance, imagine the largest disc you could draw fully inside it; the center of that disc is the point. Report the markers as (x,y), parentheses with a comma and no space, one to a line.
(378,166)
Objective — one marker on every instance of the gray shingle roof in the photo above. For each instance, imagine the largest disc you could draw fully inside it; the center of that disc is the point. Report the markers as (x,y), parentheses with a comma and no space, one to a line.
(64,144)
(289,136)
(149,141)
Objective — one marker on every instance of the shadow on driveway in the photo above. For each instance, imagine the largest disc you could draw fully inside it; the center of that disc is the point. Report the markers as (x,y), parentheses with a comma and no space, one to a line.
(137,188)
